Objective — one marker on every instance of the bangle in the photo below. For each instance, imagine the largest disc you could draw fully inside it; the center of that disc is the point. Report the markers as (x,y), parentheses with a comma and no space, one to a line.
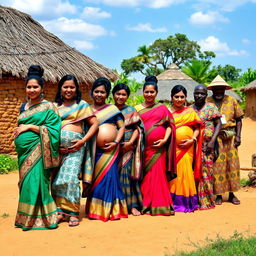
(116,142)
(194,139)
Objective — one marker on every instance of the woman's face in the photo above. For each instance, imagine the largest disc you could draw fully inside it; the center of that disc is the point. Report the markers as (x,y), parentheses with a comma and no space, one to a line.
(178,99)
(150,94)
(120,97)
(99,95)
(68,90)
(33,89)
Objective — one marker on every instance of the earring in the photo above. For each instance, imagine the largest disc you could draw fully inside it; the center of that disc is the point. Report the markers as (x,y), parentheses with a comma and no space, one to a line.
(42,95)
(27,99)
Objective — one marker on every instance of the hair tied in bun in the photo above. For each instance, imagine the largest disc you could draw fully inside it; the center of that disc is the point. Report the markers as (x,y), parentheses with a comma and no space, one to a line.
(35,70)
(151,80)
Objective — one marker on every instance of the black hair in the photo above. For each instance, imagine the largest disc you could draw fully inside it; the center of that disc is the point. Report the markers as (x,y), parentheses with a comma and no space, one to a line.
(35,72)
(101,81)
(150,80)
(121,86)
(58,97)
(178,88)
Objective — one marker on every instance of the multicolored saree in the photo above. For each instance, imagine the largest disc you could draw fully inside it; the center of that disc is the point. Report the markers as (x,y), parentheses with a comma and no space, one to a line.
(130,164)
(208,113)
(158,162)
(66,185)
(106,200)
(37,153)
(183,188)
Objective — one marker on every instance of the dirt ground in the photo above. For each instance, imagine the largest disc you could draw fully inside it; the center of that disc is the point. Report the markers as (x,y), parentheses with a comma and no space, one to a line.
(143,235)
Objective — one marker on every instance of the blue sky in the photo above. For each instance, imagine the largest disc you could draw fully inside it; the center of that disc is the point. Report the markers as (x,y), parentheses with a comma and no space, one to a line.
(110,30)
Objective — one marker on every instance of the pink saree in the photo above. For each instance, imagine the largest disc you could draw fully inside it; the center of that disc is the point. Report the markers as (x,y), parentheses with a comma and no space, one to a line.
(159,163)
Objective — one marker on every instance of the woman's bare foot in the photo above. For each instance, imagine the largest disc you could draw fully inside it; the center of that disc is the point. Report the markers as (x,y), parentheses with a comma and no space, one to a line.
(135,212)
(73,221)
(61,218)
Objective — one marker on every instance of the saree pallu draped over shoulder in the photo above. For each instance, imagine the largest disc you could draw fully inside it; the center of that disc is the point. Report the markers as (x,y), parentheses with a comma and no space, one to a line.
(66,185)
(37,153)
(130,164)
(106,200)
(159,163)
(183,188)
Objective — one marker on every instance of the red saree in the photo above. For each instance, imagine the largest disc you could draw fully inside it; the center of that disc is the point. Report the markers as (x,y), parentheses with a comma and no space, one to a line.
(158,162)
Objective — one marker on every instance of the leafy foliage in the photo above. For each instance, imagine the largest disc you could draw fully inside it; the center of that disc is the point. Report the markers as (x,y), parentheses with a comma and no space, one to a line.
(7,164)
(152,60)
(134,87)
(229,73)
(245,182)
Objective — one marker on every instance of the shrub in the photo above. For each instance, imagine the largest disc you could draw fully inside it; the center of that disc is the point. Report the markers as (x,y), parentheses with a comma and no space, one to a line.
(7,164)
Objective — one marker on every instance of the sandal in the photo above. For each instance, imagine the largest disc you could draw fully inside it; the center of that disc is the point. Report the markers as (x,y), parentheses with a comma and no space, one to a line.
(218,200)
(61,218)
(73,223)
(234,200)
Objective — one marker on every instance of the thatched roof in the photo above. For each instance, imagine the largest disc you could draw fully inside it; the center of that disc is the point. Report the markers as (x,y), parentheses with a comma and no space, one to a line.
(24,42)
(250,86)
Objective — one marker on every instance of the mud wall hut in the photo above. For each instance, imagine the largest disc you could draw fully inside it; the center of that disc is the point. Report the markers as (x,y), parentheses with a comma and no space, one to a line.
(24,42)
(250,94)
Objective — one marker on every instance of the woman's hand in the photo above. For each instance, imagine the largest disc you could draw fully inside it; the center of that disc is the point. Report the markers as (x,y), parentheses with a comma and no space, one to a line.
(109,146)
(186,143)
(237,141)
(127,146)
(158,143)
(20,129)
(63,150)
(78,144)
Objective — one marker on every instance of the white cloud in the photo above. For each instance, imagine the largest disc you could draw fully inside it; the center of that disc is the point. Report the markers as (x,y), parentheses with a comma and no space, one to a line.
(43,8)
(245,40)
(76,27)
(136,3)
(209,18)
(212,43)
(83,45)
(146,27)
(94,13)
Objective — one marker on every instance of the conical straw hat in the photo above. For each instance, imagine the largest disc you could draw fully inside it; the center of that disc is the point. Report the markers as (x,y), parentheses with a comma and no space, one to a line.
(218,81)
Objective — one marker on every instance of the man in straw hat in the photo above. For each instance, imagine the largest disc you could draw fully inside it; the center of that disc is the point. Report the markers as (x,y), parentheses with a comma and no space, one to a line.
(226,169)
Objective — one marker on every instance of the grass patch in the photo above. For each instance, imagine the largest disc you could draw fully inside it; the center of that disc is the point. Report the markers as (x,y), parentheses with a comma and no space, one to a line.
(245,182)
(5,215)
(7,164)
(235,245)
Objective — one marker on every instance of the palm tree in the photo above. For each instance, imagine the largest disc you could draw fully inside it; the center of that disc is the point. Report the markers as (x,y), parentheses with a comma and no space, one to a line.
(198,70)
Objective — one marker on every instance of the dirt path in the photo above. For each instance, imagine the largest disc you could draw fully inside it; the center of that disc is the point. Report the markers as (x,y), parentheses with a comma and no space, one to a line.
(144,235)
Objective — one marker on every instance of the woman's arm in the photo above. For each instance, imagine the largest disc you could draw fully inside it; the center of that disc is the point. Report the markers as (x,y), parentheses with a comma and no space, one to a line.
(217,127)
(128,145)
(25,127)
(94,125)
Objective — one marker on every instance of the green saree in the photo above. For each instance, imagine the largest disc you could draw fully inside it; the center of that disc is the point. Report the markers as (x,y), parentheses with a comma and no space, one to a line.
(37,153)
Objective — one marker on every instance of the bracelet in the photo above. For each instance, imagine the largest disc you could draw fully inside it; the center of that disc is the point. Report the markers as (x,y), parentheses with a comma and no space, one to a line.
(116,142)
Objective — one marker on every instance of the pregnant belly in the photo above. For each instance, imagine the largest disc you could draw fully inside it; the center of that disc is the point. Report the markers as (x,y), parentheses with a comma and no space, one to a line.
(157,134)
(183,133)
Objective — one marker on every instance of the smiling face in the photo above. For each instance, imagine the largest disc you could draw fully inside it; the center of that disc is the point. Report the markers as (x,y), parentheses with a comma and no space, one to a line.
(99,95)
(33,90)
(149,94)
(218,93)
(120,97)
(68,90)
(179,99)
(200,95)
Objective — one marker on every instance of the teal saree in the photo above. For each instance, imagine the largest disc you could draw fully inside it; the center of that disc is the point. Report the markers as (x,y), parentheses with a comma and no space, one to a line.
(37,153)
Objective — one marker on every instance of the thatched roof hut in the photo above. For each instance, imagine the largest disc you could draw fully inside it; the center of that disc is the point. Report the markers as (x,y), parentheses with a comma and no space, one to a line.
(173,76)
(24,42)
(250,92)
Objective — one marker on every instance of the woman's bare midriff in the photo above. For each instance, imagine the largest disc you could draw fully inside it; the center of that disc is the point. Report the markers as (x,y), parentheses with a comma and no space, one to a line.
(77,127)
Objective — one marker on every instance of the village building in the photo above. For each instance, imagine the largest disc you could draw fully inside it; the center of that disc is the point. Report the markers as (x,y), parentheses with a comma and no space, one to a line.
(250,94)
(25,42)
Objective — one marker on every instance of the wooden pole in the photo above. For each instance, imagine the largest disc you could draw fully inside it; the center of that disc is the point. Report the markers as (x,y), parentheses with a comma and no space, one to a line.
(248,169)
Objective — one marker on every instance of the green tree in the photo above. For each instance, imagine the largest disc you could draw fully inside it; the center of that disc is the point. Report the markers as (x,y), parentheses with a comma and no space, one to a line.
(198,70)
(228,72)
(176,49)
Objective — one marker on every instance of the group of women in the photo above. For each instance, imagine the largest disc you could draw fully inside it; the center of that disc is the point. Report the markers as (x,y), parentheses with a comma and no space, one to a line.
(138,160)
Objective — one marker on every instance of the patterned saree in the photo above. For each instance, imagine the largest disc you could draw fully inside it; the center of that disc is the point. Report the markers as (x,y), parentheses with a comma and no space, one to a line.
(106,200)
(66,185)
(158,162)
(130,164)
(37,153)
(183,188)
